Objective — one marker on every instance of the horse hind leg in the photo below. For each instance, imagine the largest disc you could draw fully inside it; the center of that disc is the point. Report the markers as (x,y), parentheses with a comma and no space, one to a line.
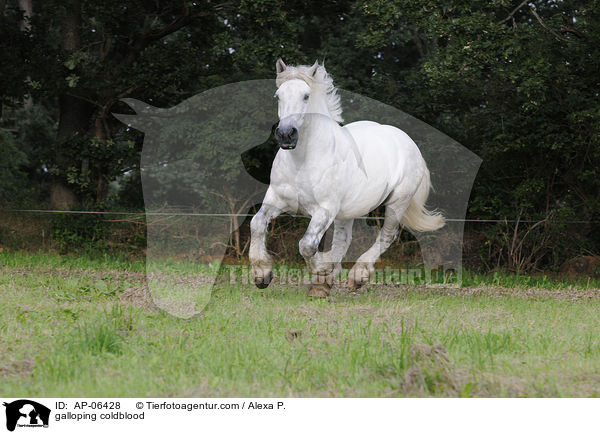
(364,267)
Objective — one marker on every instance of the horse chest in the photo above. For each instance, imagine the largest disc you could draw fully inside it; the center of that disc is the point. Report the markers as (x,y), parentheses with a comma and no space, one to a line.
(299,191)
(308,188)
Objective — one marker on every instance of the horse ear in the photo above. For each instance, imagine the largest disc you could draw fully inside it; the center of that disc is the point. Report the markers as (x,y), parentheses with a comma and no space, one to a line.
(280,66)
(313,69)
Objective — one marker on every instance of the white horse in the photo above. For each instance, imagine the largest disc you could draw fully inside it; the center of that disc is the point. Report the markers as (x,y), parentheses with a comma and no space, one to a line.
(335,174)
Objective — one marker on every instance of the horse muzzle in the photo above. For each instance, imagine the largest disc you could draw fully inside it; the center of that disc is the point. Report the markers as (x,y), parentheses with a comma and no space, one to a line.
(286,138)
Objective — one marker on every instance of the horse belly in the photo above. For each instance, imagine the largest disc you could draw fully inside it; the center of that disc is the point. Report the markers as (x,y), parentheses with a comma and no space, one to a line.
(387,156)
(367,200)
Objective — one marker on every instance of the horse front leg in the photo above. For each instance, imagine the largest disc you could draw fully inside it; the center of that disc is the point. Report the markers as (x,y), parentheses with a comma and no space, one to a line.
(260,260)
(309,245)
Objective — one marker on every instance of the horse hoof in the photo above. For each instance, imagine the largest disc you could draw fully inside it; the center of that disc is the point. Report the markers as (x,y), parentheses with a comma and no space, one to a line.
(263,282)
(353,285)
(318,291)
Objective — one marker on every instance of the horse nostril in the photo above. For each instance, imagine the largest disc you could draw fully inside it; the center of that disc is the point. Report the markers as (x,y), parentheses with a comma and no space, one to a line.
(293,134)
(278,133)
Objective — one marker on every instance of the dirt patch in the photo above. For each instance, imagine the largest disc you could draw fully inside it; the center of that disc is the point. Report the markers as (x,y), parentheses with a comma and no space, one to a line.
(398,291)
(19,368)
(430,373)
(77,273)
(139,297)
(339,292)
(293,335)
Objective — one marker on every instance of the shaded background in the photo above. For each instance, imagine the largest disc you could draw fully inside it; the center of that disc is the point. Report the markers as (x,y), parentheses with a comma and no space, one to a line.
(515,83)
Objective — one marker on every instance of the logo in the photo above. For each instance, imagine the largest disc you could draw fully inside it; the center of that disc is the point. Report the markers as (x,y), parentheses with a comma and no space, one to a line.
(26,413)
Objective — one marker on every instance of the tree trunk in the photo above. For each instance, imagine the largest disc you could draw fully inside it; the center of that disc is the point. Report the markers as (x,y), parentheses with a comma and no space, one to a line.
(74,122)
(101,132)
(27,7)
(236,237)
(75,114)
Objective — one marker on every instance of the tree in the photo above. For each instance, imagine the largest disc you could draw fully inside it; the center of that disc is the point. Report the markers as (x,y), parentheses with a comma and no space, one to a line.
(87,55)
(515,82)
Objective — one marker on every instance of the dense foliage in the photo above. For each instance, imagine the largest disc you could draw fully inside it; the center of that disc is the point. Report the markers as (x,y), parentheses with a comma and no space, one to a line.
(516,83)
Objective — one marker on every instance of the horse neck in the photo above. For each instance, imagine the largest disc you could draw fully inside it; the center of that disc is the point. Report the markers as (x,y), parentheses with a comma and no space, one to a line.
(315,137)
(317,132)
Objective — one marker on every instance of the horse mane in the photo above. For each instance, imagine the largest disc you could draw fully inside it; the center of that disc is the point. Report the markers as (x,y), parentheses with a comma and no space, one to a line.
(320,81)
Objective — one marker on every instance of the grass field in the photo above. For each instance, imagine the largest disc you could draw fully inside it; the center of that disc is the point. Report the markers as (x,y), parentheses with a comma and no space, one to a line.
(83,327)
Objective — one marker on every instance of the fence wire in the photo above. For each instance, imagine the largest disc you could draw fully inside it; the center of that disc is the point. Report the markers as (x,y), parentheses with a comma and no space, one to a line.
(192,214)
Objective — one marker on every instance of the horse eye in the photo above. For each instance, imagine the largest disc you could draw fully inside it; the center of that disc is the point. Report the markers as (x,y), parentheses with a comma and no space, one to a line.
(306,97)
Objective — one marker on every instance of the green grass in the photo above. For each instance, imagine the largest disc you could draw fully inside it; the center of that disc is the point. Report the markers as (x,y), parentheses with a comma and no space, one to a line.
(74,327)
(100,262)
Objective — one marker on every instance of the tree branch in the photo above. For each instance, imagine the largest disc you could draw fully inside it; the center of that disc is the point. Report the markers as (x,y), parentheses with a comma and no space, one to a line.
(514,11)
(176,24)
(568,27)
(145,39)
(551,30)
(172,27)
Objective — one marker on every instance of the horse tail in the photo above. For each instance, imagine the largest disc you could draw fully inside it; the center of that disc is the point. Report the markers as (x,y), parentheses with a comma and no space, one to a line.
(419,218)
